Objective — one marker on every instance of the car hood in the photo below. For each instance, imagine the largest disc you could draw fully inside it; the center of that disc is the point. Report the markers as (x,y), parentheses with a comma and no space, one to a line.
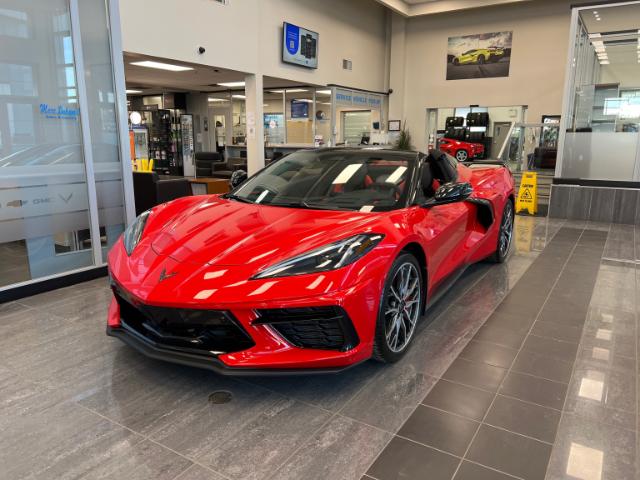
(216,231)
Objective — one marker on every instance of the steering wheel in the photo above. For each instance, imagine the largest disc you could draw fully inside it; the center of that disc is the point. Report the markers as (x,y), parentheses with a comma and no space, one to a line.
(380,186)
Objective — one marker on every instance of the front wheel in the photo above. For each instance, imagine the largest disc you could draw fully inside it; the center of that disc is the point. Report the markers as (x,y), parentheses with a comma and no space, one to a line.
(505,235)
(481,59)
(462,155)
(400,308)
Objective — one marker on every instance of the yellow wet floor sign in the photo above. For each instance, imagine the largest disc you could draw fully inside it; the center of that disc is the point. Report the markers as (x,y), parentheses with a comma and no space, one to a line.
(528,193)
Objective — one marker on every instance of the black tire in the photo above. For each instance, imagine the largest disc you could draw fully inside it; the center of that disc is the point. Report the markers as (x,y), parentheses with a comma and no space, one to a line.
(506,222)
(481,60)
(456,62)
(462,155)
(383,348)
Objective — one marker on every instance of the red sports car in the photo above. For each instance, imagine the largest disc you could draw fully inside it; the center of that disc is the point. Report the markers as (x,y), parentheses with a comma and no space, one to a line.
(320,261)
(463,151)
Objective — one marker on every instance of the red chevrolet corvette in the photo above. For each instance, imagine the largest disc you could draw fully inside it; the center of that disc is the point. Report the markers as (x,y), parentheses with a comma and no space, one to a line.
(320,261)
(463,151)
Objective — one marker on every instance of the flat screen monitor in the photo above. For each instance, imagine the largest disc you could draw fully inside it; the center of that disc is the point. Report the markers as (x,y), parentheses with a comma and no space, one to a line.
(299,46)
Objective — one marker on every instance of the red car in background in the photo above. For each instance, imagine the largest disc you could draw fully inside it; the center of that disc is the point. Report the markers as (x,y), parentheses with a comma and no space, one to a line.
(320,261)
(462,151)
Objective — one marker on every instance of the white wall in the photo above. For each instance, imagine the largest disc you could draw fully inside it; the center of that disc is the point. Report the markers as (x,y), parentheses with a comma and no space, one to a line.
(538,62)
(246,35)
(627,75)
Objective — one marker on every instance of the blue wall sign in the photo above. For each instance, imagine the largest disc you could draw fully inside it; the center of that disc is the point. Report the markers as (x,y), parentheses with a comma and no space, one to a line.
(59,112)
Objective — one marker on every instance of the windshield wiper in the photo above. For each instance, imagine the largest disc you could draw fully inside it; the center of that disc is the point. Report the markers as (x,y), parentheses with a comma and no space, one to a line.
(232,196)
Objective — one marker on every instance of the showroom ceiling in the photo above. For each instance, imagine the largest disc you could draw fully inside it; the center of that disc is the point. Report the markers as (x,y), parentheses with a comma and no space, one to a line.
(200,78)
(412,8)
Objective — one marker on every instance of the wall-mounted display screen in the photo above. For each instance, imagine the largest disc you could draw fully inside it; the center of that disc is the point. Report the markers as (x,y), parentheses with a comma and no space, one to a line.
(299,46)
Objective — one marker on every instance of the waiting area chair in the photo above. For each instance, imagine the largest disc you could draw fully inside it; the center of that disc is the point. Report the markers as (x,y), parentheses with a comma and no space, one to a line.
(149,190)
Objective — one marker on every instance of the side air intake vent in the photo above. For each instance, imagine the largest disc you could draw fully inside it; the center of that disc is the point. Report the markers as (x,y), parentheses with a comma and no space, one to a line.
(325,328)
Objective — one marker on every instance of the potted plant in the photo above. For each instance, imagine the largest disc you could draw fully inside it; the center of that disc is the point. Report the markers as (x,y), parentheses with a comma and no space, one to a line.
(404,139)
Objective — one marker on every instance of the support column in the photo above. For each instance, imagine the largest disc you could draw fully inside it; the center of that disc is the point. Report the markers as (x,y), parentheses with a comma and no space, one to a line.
(397,67)
(255,123)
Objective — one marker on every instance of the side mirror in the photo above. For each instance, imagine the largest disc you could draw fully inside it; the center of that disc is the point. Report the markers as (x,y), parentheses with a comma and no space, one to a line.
(237,177)
(450,193)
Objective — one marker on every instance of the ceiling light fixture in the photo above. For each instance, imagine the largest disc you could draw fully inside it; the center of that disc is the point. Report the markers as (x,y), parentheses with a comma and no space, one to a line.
(242,97)
(133,91)
(290,90)
(162,66)
(213,99)
(324,92)
(231,84)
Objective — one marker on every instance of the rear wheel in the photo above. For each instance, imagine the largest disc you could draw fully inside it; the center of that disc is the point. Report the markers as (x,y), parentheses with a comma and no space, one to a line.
(505,235)
(462,155)
(481,59)
(400,308)
(456,62)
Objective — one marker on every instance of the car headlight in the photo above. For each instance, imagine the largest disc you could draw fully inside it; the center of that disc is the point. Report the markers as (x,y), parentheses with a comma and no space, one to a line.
(329,257)
(132,234)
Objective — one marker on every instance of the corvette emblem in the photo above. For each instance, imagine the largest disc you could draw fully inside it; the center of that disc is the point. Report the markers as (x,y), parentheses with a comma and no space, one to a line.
(164,275)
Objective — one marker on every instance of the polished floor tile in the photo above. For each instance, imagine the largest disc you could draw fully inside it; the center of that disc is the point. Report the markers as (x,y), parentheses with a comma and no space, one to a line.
(342,448)
(534,390)
(406,460)
(519,363)
(527,419)
(459,399)
(442,430)
(511,453)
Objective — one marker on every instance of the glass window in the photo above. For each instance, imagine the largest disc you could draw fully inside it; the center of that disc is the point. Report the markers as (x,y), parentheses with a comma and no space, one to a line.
(102,118)
(364,180)
(323,116)
(603,118)
(300,112)
(273,110)
(14,23)
(44,213)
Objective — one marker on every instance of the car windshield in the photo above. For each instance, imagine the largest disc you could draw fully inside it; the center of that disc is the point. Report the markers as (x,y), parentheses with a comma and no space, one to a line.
(363,180)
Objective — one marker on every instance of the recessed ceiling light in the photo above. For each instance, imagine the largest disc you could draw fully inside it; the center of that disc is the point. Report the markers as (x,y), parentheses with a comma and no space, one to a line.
(162,66)
(324,92)
(604,62)
(133,91)
(239,96)
(231,84)
(290,90)
(303,100)
(213,99)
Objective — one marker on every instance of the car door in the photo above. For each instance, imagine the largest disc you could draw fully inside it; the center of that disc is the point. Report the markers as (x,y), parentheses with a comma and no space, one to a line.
(444,229)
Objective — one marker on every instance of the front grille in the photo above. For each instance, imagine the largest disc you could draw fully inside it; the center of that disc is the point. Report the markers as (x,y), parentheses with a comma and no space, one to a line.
(326,328)
(204,332)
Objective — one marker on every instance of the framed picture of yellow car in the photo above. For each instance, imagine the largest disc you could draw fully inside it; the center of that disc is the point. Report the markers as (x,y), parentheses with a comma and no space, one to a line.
(483,55)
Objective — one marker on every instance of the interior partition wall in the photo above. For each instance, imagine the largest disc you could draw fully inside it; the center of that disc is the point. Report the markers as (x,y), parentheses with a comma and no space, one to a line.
(598,169)
(65,193)
(599,129)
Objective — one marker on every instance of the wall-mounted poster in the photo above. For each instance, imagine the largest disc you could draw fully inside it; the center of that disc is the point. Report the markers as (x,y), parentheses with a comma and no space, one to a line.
(483,55)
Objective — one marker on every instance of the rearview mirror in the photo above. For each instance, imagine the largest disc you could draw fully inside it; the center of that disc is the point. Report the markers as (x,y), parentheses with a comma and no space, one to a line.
(450,193)
(237,177)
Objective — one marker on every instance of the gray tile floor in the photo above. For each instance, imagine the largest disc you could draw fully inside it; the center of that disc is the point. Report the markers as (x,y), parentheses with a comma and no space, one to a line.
(488,378)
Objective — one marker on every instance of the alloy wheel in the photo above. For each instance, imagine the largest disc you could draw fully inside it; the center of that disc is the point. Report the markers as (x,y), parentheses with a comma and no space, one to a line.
(461,155)
(506,229)
(402,307)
